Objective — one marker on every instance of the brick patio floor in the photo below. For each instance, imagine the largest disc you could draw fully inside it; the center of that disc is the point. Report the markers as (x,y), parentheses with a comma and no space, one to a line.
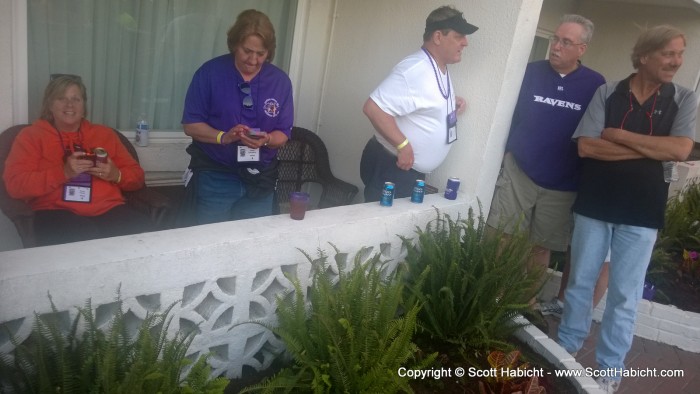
(646,353)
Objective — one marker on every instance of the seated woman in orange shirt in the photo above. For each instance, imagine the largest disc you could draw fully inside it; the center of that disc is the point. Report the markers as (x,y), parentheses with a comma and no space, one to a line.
(52,165)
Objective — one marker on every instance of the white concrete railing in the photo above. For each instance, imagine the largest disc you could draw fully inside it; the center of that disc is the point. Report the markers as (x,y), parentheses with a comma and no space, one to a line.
(221,274)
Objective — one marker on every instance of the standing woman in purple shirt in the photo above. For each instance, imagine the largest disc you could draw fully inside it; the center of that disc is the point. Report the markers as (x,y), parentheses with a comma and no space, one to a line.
(238,111)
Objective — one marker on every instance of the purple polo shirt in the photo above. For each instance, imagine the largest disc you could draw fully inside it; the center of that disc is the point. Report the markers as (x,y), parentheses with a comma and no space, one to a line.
(214,97)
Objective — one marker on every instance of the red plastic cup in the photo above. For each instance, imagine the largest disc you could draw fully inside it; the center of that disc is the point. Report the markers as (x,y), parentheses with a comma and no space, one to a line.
(298,202)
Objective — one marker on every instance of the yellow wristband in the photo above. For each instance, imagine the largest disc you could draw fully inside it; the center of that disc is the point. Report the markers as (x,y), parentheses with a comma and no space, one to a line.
(119,178)
(218,137)
(402,145)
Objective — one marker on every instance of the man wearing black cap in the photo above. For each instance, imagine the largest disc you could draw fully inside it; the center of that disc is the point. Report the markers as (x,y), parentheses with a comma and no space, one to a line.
(414,110)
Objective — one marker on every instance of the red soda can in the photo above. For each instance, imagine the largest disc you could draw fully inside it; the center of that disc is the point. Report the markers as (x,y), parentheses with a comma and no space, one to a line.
(100,155)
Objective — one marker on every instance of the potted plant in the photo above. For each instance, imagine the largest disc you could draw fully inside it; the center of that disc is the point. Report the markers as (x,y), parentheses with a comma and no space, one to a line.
(471,281)
(95,361)
(673,268)
(346,335)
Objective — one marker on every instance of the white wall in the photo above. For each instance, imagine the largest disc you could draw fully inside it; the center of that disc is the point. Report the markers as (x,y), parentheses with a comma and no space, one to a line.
(5,65)
(618,25)
(314,28)
(8,236)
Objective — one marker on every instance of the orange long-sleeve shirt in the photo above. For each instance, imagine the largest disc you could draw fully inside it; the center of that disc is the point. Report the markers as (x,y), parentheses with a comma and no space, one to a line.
(34,168)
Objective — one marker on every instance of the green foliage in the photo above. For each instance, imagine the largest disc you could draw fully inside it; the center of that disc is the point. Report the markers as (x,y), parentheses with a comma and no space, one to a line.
(348,338)
(52,360)
(681,231)
(682,221)
(660,265)
(506,383)
(471,281)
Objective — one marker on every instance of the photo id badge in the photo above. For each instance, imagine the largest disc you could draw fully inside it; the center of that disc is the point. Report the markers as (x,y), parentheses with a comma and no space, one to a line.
(452,127)
(78,189)
(248,154)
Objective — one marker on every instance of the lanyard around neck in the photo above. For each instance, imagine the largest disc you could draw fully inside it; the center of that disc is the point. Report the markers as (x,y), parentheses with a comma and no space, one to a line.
(445,92)
(72,146)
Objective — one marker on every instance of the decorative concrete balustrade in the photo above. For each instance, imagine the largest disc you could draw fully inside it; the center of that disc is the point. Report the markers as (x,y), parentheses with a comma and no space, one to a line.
(218,275)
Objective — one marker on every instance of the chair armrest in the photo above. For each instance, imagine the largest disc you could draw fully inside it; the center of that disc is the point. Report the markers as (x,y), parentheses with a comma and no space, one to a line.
(337,192)
(151,203)
(430,189)
(15,209)
(21,215)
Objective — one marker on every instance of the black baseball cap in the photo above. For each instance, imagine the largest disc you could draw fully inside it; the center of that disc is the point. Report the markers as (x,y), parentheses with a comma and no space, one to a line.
(455,22)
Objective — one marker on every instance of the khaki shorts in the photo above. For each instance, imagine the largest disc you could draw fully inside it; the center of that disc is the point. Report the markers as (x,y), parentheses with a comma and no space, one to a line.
(519,204)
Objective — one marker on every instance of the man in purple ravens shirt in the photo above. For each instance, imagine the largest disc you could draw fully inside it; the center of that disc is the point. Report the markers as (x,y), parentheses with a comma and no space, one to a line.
(540,173)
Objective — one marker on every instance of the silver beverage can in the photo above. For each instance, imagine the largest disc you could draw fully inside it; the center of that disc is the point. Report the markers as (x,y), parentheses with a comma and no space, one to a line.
(387,199)
(451,189)
(418,191)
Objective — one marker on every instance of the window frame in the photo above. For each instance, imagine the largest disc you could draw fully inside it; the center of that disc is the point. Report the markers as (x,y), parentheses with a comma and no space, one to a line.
(20,66)
(544,34)
(697,93)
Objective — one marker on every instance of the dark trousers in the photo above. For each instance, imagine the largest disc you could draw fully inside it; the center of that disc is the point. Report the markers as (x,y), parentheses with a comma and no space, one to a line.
(378,166)
(59,226)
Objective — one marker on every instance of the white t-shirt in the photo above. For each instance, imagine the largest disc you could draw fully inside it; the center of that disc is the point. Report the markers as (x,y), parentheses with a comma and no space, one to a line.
(412,96)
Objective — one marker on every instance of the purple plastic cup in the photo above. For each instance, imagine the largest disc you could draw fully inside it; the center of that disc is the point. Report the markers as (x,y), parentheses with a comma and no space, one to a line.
(298,203)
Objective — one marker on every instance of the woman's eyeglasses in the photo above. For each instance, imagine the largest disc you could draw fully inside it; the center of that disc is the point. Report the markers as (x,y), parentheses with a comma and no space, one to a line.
(248,99)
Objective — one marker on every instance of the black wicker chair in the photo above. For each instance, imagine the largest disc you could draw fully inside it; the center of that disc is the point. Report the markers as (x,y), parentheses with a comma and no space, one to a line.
(304,159)
(145,200)
(695,153)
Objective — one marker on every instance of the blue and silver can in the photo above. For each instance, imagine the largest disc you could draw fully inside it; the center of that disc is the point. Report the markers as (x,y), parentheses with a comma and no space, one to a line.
(418,191)
(387,199)
(451,189)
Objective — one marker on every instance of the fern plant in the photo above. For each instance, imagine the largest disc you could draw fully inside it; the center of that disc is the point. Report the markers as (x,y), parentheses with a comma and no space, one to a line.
(681,231)
(470,280)
(52,360)
(347,338)
(682,221)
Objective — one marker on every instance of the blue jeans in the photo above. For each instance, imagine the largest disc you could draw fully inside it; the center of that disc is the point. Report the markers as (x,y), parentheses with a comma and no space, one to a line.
(631,248)
(221,197)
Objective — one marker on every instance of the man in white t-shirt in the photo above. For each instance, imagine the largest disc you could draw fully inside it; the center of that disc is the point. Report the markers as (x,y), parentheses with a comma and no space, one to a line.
(414,110)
